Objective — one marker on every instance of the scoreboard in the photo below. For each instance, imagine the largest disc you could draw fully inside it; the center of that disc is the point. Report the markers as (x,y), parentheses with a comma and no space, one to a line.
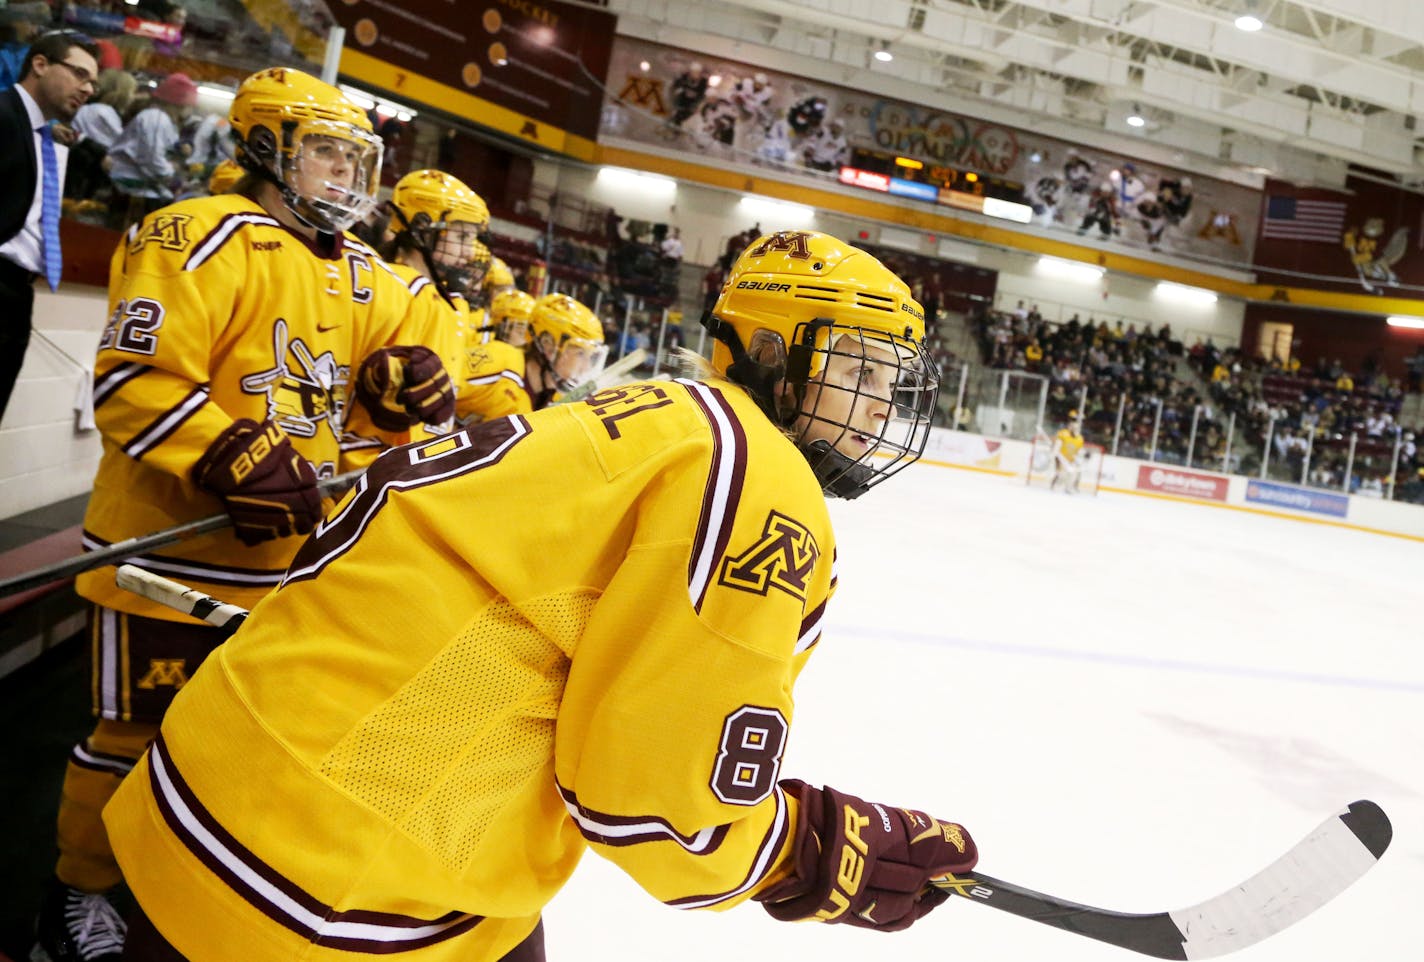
(936,184)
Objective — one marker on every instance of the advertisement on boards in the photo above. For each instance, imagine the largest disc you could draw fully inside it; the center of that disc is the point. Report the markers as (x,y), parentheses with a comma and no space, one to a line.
(1175,481)
(1300,499)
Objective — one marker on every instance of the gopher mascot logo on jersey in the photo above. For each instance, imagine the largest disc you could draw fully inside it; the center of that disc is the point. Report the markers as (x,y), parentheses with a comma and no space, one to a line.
(783,557)
(301,398)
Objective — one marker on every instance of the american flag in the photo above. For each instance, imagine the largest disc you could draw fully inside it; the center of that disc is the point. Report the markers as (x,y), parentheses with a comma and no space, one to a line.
(1288,218)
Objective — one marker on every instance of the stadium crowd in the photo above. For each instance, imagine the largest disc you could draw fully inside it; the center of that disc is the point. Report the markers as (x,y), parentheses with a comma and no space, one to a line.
(1298,420)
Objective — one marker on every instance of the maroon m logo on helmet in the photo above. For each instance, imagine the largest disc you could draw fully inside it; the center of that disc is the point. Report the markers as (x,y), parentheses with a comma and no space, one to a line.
(791,242)
(783,557)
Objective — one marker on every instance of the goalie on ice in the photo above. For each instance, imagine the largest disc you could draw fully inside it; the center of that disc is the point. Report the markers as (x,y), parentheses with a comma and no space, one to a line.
(1068,455)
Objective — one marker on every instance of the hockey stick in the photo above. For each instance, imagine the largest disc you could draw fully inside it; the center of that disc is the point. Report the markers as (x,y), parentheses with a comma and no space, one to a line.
(190,601)
(1318,868)
(607,377)
(128,548)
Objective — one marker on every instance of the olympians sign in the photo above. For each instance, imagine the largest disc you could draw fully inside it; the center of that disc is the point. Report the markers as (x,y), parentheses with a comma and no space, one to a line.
(532,68)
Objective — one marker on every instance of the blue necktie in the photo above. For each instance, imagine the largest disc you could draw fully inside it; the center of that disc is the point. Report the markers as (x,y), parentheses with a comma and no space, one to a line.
(49,210)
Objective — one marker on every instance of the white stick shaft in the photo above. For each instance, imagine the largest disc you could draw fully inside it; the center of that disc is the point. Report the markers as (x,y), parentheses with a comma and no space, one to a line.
(180,597)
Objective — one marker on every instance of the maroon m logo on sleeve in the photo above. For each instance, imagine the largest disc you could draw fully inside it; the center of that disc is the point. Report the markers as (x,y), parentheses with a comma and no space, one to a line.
(783,557)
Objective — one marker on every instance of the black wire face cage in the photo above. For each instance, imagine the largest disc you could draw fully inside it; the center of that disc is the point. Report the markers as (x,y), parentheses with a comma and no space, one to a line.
(864,414)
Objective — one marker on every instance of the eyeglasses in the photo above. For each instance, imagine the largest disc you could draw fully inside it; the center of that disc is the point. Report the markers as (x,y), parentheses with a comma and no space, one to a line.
(85,78)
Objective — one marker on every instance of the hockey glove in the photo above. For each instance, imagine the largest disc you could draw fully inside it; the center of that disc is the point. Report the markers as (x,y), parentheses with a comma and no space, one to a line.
(865,864)
(404,386)
(268,489)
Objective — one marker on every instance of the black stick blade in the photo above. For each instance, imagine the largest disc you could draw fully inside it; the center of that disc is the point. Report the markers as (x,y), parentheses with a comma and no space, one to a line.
(1321,866)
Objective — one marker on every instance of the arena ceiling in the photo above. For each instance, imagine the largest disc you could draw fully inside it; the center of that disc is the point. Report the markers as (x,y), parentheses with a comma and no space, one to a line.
(1326,83)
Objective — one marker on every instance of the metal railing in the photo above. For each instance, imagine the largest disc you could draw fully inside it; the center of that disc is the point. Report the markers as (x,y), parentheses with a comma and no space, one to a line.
(1150,427)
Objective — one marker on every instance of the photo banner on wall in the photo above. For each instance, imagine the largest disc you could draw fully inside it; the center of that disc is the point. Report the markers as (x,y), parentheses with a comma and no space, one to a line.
(532,69)
(726,111)
(1367,238)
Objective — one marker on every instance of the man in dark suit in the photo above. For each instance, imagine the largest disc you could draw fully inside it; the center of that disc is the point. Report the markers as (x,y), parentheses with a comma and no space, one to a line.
(57,77)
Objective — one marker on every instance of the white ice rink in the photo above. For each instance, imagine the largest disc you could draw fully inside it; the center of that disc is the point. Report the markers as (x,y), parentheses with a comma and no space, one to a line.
(1131,703)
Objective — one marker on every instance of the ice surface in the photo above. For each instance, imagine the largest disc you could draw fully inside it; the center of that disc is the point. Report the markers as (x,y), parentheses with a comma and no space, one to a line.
(1129,702)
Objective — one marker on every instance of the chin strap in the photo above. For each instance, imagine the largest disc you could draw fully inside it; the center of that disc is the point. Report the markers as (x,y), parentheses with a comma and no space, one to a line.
(436,276)
(840,476)
(759,379)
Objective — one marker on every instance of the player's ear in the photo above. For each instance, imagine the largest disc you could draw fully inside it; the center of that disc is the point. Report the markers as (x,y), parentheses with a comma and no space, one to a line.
(769,350)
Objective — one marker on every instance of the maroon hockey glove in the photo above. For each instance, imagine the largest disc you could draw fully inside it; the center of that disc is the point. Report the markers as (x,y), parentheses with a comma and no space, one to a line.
(268,489)
(403,386)
(865,864)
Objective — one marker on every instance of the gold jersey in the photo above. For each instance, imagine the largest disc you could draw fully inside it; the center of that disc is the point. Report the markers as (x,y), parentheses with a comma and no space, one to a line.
(218,312)
(1070,443)
(494,379)
(575,628)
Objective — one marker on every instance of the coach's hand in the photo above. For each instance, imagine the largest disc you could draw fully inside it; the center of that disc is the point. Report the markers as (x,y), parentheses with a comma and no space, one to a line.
(404,386)
(267,488)
(864,863)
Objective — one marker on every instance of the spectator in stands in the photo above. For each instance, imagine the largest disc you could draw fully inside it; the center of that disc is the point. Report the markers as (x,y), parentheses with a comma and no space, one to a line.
(142,161)
(672,245)
(56,78)
(1414,365)
(98,124)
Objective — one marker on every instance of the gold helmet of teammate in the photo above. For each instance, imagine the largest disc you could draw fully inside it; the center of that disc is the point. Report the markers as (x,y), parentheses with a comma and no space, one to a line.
(442,218)
(566,339)
(509,313)
(480,259)
(831,343)
(499,278)
(225,177)
(311,141)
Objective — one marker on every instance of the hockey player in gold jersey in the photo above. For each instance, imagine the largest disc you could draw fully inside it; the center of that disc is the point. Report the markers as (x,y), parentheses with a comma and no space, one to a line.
(1067,446)
(564,350)
(611,671)
(437,221)
(238,323)
(509,313)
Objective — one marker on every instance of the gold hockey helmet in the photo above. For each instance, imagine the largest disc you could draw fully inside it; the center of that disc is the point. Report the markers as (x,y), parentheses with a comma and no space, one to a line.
(567,340)
(443,218)
(499,278)
(831,343)
(225,177)
(312,141)
(509,313)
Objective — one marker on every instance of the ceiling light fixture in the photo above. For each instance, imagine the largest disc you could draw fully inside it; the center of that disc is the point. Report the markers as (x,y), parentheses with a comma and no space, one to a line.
(1135,119)
(1248,21)
(884,56)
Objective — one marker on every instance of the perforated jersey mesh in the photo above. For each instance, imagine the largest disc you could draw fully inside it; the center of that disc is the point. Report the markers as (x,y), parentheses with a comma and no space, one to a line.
(460,740)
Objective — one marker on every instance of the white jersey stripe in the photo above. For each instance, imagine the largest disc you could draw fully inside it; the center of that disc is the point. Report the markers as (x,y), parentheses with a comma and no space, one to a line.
(211,244)
(277,900)
(159,430)
(715,510)
(765,859)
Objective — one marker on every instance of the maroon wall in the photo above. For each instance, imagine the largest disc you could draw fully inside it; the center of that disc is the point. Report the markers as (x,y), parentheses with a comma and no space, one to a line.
(1353,338)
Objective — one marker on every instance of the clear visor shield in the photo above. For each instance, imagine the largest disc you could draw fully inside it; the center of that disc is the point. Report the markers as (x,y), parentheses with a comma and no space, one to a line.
(578,361)
(865,413)
(513,330)
(333,172)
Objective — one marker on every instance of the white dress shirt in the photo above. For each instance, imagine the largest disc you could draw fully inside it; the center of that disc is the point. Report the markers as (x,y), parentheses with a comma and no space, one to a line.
(26,248)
